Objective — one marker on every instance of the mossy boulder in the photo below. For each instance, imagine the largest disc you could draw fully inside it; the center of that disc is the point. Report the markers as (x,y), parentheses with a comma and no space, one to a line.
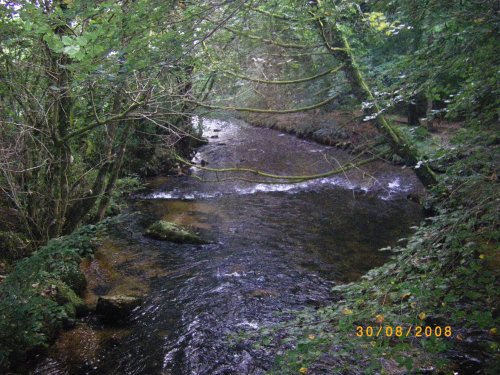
(167,231)
(116,308)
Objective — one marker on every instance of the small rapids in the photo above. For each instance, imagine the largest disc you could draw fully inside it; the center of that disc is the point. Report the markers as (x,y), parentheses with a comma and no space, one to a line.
(274,248)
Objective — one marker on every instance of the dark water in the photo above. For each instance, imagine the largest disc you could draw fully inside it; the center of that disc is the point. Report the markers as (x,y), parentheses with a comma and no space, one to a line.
(275,248)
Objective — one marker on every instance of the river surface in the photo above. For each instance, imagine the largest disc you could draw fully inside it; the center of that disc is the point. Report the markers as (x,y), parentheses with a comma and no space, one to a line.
(274,248)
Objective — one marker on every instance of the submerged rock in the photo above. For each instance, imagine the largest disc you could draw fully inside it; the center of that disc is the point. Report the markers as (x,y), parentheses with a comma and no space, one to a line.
(77,346)
(113,308)
(263,293)
(167,231)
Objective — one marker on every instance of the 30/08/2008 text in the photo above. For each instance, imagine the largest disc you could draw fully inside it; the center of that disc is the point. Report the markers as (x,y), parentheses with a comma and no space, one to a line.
(401,331)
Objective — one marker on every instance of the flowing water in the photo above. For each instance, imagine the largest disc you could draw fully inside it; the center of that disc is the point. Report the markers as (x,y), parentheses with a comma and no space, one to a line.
(274,248)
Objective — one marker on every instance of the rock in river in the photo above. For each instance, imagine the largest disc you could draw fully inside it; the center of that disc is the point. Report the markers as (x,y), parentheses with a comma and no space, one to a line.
(114,308)
(167,231)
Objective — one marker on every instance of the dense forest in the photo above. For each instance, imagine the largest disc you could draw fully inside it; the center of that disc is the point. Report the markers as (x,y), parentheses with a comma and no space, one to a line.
(97,97)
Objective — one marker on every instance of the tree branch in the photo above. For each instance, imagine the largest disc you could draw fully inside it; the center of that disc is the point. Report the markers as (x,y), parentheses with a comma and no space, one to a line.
(98,123)
(257,110)
(269,41)
(284,82)
(290,179)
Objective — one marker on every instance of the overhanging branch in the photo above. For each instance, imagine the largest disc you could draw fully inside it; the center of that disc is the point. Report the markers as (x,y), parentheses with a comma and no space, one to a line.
(257,110)
(284,82)
(269,41)
(287,178)
(98,122)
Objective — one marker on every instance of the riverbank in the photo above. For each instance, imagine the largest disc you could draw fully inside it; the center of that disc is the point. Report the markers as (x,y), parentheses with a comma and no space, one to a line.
(45,290)
(344,130)
(41,296)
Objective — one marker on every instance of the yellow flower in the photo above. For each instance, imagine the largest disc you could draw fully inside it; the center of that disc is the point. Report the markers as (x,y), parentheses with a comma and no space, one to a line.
(493,331)
(379,319)
(311,337)
(405,296)
(422,315)
(303,370)
(347,311)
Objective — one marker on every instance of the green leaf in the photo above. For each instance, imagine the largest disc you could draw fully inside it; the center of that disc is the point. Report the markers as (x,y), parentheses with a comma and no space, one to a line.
(67,41)
(71,51)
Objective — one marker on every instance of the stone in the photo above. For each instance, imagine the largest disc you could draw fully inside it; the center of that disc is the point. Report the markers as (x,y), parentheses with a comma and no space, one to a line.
(166,231)
(262,293)
(116,308)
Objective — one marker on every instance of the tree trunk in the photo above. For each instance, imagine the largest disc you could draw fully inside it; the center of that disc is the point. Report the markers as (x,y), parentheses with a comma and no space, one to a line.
(78,211)
(63,107)
(430,117)
(114,173)
(338,45)
(413,113)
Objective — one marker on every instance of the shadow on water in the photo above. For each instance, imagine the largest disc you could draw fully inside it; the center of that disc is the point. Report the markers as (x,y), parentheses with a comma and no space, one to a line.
(275,248)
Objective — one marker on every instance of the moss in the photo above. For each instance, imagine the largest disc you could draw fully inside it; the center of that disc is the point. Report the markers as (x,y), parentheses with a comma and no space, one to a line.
(167,231)
(13,245)
(74,305)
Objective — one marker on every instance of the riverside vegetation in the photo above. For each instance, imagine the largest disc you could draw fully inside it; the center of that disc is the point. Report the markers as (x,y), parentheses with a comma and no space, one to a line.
(95,95)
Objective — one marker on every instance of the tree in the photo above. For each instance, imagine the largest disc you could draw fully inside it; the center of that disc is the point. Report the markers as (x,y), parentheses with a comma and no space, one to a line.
(77,79)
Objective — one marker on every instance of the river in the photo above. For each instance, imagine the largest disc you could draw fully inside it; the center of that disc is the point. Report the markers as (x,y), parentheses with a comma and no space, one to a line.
(274,248)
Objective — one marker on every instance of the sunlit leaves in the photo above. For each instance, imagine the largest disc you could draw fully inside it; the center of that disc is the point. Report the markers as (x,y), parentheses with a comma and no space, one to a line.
(379,22)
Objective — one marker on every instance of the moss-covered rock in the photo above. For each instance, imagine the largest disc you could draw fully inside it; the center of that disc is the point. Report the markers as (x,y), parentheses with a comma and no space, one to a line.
(167,231)
(116,308)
